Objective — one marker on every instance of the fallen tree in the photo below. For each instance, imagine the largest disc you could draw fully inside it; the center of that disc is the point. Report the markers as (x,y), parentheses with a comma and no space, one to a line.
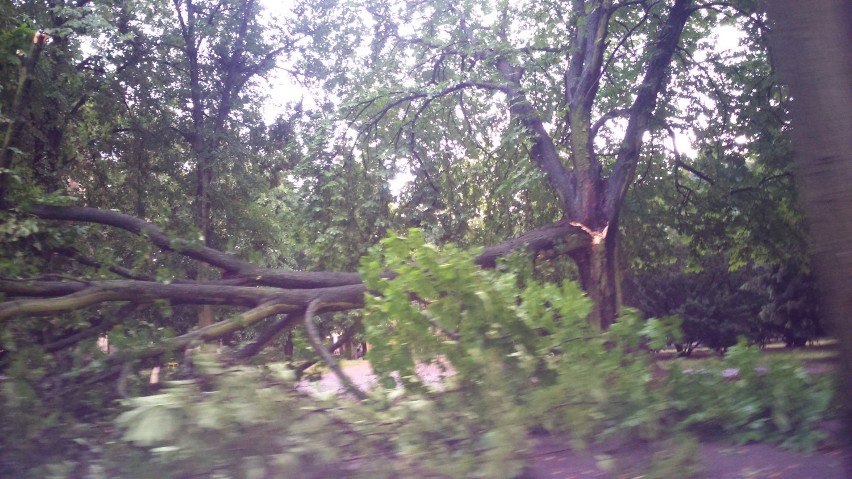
(261,292)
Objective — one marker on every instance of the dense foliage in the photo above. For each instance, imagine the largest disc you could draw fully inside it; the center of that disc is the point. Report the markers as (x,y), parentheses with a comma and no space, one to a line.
(152,200)
(254,421)
(747,398)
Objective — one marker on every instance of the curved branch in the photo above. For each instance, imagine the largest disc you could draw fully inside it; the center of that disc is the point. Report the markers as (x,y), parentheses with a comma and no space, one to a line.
(166,346)
(244,320)
(626,36)
(341,297)
(268,335)
(679,163)
(427,97)
(143,228)
(616,113)
(316,342)
(230,264)
(73,253)
(343,339)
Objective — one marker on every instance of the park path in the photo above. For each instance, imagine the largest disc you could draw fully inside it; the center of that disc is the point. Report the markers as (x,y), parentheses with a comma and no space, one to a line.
(552,457)
(360,372)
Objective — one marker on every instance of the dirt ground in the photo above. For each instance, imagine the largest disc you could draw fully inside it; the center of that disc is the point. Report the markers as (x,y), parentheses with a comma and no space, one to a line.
(552,457)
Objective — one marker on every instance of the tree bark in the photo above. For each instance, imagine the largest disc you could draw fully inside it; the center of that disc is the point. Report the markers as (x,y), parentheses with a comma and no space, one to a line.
(600,199)
(815,58)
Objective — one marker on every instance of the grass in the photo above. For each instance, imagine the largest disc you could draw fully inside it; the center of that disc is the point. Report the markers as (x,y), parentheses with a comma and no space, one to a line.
(822,351)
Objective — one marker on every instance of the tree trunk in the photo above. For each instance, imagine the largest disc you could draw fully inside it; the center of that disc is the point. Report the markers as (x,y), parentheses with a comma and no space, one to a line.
(815,55)
(600,276)
(288,346)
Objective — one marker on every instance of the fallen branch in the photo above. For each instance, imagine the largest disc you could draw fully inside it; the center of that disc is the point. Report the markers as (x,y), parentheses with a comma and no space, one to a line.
(316,343)
(264,292)
(344,338)
(283,324)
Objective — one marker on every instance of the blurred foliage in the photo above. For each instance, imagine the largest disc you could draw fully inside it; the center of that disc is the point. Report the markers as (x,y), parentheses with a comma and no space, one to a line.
(714,245)
(678,456)
(524,359)
(254,422)
(510,338)
(749,397)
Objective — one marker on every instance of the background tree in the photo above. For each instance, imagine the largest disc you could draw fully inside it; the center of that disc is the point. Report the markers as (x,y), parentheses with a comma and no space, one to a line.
(521,116)
(486,141)
(116,135)
(723,228)
(493,148)
(525,121)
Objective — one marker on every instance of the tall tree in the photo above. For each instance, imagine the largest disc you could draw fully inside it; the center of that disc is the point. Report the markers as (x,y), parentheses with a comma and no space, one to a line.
(132,124)
(571,91)
(535,111)
(219,48)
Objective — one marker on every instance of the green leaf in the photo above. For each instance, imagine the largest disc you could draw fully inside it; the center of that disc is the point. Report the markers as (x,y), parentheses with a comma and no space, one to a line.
(151,426)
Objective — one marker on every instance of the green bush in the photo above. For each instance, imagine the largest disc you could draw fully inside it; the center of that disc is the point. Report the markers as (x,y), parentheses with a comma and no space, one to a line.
(524,358)
(791,309)
(515,343)
(749,398)
(762,302)
(710,299)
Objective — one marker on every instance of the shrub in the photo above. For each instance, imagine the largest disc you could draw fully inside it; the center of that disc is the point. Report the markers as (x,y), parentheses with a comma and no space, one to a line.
(525,358)
(791,309)
(515,343)
(748,398)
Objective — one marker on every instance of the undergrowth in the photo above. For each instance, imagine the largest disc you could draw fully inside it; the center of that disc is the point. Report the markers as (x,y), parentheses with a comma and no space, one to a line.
(525,358)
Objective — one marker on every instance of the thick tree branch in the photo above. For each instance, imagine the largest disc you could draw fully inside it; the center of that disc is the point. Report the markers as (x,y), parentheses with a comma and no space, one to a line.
(342,290)
(142,228)
(583,74)
(42,289)
(662,49)
(561,235)
(230,264)
(543,151)
(54,297)
(46,307)
(340,297)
